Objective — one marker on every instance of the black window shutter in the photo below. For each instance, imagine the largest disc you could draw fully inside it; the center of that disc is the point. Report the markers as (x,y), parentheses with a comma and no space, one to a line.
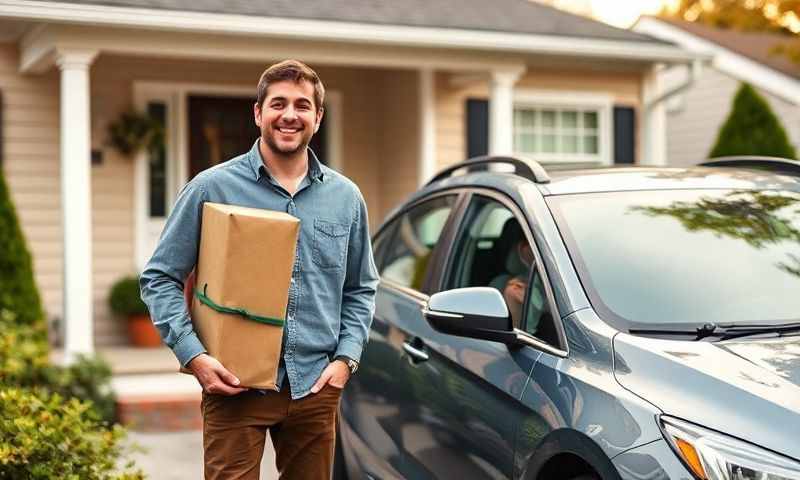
(624,135)
(477,127)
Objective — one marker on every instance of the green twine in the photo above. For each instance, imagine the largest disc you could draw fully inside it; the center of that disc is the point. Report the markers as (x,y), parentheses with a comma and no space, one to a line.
(203,297)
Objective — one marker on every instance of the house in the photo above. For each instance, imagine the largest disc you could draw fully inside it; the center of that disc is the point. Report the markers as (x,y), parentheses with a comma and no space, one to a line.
(413,86)
(695,116)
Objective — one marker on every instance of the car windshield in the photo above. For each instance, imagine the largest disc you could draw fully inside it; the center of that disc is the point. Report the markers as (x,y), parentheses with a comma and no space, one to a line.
(675,257)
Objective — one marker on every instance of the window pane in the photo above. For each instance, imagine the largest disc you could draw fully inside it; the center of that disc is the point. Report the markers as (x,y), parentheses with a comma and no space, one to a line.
(549,143)
(569,119)
(158,164)
(525,118)
(590,119)
(413,239)
(491,250)
(527,143)
(570,143)
(548,118)
(590,144)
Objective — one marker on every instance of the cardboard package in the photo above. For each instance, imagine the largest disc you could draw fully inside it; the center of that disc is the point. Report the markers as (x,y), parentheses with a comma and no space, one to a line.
(242,288)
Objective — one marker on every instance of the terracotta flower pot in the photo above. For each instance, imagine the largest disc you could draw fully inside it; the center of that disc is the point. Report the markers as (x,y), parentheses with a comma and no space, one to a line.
(142,332)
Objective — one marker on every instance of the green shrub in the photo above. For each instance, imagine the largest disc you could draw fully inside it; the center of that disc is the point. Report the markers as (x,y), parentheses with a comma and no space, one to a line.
(24,362)
(44,436)
(752,129)
(125,299)
(18,291)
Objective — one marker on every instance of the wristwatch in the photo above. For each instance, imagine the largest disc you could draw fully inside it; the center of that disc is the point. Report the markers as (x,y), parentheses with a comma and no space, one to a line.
(351,364)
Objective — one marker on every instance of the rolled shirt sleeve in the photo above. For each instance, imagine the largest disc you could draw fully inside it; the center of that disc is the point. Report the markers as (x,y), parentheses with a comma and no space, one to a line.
(360,284)
(162,281)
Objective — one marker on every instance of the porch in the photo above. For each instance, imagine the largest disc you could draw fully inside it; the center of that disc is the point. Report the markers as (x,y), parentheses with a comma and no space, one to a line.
(380,130)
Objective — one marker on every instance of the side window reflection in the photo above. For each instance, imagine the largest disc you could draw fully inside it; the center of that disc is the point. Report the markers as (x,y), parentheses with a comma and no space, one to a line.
(413,237)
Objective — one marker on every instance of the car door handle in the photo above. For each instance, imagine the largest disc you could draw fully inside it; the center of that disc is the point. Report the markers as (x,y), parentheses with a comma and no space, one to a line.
(417,354)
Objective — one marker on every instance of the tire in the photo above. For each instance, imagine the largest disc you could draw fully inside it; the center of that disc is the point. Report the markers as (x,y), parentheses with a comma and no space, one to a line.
(585,477)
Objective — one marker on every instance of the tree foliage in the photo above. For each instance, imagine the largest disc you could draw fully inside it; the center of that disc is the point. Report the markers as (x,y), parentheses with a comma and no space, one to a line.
(18,292)
(752,129)
(745,15)
(775,16)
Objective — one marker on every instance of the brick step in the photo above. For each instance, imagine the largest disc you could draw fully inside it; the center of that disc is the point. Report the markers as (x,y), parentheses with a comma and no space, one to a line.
(160,413)
(158,401)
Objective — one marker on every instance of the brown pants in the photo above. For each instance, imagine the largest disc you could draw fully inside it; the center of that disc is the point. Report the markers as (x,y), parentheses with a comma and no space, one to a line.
(303,433)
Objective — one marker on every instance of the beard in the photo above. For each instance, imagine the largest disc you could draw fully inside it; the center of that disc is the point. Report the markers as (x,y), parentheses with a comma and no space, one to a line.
(272,144)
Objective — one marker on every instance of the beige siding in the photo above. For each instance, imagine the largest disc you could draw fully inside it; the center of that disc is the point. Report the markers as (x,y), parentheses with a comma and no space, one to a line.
(399,134)
(624,88)
(694,119)
(31,167)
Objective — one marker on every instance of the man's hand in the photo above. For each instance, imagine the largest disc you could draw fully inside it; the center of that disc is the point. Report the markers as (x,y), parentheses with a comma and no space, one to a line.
(336,374)
(213,377)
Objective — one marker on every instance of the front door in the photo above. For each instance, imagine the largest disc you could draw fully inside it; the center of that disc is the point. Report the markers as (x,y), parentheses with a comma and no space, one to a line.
(221,128)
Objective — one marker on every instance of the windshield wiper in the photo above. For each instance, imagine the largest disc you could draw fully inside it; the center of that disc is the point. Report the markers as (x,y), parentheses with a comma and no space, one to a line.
(723,331)
(733,330)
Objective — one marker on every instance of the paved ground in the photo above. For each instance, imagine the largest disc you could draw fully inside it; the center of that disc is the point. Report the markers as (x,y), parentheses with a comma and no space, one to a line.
(179,456)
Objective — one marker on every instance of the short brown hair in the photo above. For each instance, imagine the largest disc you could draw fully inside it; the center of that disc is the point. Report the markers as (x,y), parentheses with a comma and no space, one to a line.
(295,71)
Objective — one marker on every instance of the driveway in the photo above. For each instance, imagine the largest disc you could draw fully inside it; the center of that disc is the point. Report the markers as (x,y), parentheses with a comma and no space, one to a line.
(179,456)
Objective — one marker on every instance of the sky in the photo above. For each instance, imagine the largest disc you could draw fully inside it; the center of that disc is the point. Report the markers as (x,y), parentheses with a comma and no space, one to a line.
(620,13)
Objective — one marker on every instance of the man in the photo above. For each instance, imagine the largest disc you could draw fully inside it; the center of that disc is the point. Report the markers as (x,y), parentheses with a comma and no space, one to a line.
(331,295)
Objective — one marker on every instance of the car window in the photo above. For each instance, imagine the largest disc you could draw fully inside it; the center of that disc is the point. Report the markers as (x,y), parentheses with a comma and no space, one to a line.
(405,253)
(491,250)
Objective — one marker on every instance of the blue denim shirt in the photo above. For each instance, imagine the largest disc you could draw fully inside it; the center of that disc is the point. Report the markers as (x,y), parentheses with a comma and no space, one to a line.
(332,291)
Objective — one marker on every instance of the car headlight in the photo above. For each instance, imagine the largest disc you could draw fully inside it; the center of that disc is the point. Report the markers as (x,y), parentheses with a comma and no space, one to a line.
(713,456)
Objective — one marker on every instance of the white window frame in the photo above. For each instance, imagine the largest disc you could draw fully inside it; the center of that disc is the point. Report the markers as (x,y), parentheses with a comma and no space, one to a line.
(602,102)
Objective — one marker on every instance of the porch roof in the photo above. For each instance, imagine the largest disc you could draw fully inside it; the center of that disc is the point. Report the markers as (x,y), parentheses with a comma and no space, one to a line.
(517,16)
(500,27)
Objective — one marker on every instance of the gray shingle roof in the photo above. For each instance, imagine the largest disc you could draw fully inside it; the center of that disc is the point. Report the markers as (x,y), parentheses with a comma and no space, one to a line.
(517,16)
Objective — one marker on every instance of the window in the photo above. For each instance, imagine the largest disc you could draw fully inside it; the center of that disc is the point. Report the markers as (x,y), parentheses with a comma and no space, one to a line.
(409,242)
(556,131)
(158,164)
(563,127)
(492,250)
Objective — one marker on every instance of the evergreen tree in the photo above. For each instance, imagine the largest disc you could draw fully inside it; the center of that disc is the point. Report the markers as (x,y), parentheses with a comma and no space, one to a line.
(752,129)
(18,292)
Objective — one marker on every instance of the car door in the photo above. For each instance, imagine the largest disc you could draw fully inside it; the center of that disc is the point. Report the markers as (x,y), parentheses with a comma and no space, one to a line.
(466,390)
(378,410)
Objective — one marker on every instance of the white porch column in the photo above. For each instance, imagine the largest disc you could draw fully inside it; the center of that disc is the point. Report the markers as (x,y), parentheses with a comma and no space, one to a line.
(501,111)
(76,205)
(653,149)
(427,125)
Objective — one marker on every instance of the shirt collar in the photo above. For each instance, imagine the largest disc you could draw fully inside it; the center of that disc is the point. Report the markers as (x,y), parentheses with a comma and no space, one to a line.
(260,170)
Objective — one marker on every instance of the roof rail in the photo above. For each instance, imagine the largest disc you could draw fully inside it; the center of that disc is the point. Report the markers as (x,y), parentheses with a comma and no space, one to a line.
(523,167)
(771,164)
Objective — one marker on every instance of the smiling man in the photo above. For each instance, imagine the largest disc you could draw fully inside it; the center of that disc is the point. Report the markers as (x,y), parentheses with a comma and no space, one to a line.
(331,295)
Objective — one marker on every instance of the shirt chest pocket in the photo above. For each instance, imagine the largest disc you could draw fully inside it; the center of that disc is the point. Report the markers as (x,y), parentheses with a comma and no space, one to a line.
(330,243)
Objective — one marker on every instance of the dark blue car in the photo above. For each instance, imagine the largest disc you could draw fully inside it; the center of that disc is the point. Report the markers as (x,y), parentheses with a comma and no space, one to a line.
(635,323)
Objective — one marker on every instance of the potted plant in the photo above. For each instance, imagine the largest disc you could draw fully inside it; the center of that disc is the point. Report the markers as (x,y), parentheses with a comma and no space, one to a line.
(134,131)
(124,300)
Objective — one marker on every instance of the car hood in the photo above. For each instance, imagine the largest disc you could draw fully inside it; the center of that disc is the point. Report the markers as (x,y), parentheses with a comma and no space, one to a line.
(749,388)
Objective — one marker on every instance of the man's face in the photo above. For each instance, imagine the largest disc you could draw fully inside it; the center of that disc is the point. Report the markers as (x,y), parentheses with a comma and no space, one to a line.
(288,117)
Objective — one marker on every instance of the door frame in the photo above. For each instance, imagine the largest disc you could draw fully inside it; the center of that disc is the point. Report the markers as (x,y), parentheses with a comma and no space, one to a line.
(176,95)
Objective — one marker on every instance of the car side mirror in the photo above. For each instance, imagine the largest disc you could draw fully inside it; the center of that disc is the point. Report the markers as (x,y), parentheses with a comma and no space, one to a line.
(475,312)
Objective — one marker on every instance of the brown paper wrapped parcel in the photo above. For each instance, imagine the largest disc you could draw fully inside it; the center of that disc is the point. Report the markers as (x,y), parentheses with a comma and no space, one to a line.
(242,288)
